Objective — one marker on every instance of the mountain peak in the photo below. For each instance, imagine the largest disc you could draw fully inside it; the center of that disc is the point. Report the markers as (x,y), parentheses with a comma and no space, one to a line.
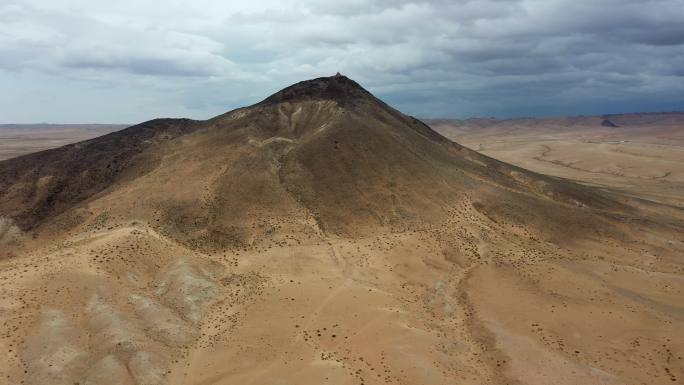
(338,88)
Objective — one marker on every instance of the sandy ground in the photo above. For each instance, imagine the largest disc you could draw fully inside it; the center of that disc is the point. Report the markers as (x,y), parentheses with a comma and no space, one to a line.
(22,139)
(470,304)
(642,158)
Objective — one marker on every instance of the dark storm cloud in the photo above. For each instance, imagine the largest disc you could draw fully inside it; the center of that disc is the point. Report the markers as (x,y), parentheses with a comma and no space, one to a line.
(431,58)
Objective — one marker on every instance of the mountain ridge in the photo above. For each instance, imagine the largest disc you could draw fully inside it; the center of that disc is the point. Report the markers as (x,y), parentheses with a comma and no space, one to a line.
(325,148)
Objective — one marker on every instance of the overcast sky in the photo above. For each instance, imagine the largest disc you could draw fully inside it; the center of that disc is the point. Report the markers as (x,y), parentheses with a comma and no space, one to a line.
(127,61)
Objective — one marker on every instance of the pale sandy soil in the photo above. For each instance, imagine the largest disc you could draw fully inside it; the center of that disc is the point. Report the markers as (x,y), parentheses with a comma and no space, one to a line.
(643,157)
(469,302)
(22,139)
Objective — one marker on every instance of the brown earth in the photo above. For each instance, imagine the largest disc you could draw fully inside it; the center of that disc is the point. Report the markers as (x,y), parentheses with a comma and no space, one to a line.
(321,236)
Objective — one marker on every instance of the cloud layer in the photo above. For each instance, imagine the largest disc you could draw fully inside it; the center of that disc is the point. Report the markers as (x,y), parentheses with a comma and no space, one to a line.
(131,60)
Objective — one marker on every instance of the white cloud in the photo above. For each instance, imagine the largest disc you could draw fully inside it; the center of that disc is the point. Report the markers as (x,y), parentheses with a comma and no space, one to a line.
(431,57)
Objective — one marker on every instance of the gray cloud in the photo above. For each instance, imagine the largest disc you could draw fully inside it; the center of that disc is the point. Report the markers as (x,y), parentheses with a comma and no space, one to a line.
(430,58)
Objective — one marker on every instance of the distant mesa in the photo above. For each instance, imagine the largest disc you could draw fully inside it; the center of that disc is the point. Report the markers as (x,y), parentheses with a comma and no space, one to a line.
(608,123)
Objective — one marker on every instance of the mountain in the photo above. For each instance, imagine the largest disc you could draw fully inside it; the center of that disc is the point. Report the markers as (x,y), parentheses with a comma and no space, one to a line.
(276,241)
(325,154)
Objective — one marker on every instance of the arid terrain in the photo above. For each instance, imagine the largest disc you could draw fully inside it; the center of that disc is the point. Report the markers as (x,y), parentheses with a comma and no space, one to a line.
(322,237)
(20,139)
(637,154)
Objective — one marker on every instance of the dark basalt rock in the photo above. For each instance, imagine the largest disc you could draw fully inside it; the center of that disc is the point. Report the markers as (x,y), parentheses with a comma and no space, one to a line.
(337,88)
(608,123)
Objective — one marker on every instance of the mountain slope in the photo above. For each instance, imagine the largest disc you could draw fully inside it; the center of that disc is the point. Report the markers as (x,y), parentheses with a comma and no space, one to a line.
(324,150)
